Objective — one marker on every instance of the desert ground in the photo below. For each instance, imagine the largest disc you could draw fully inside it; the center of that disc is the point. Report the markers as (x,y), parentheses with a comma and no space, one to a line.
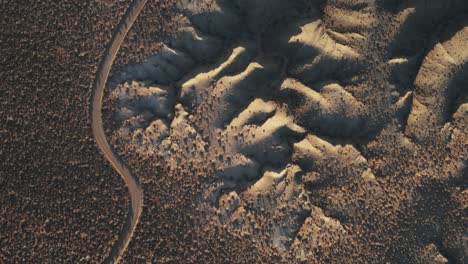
(234,131)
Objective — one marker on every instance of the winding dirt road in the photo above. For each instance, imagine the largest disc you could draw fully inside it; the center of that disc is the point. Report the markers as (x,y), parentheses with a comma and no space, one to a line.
(136,193)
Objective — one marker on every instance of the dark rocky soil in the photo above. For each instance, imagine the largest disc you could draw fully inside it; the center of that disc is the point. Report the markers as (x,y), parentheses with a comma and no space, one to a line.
(61,202)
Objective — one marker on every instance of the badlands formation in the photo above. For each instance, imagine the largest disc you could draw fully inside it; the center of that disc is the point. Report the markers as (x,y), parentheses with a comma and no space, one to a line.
(315,131)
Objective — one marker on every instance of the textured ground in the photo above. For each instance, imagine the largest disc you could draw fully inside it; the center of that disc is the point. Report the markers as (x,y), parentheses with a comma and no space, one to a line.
(261,131)
(315,130)
(60,201)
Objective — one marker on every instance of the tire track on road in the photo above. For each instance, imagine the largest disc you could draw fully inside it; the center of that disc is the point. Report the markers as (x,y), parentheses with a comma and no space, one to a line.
(136,193)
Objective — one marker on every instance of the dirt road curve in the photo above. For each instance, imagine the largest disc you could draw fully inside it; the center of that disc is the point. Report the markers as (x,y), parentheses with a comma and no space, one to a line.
(136,193)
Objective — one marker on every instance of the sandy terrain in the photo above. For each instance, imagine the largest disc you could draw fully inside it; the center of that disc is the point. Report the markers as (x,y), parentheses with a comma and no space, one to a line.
(234,131)
(320,131)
